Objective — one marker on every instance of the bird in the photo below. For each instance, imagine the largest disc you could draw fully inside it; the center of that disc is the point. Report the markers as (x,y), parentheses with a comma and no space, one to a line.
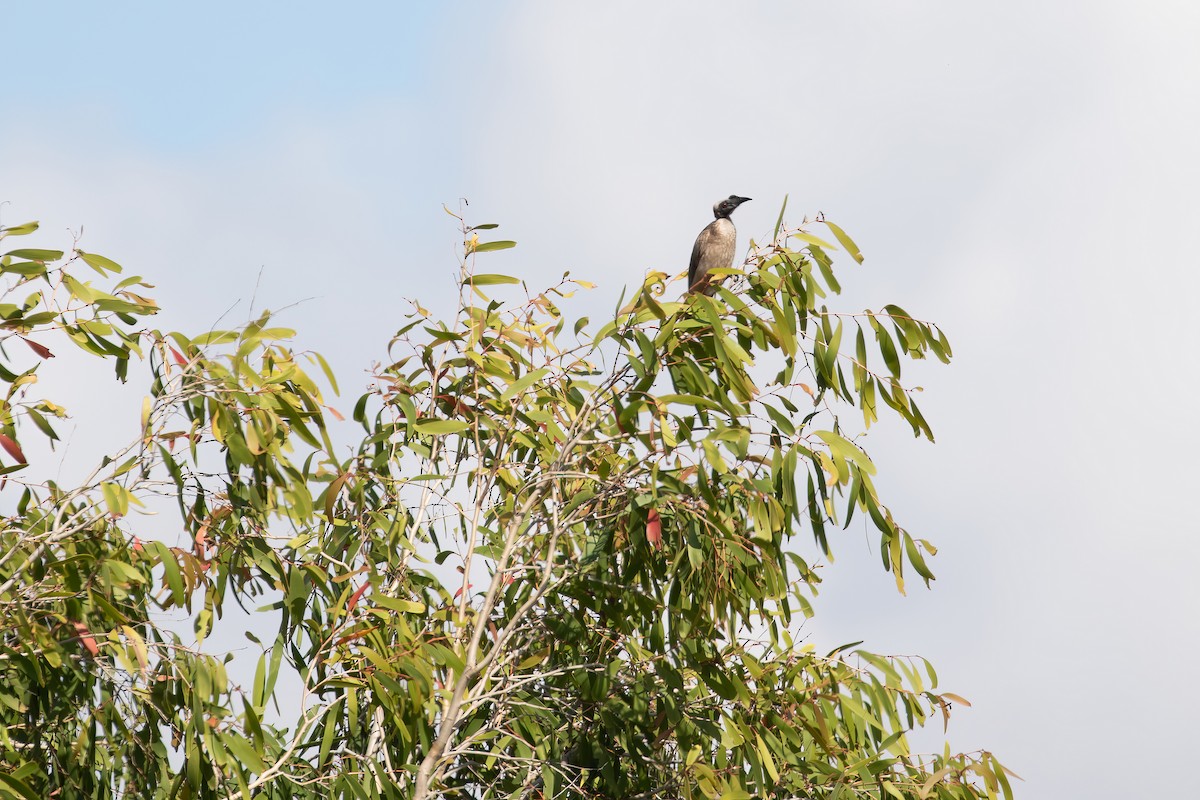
(714,246)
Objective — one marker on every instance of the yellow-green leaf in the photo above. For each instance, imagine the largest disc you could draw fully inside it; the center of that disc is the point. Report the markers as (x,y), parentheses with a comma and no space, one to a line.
(439,427)
(808,237)
(116,498)
(490,279)
(99,263)
(845,241)
(35,255)
(19,230)
(523,383)
(486,247)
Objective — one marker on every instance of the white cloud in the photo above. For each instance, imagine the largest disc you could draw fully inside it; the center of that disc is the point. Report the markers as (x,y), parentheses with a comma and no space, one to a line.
(1024,175)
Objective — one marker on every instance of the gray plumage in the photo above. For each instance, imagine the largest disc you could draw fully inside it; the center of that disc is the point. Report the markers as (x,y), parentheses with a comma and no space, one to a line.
(715,246)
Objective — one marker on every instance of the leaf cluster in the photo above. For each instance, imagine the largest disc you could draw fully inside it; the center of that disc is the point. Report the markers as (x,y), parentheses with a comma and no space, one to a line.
(557,561)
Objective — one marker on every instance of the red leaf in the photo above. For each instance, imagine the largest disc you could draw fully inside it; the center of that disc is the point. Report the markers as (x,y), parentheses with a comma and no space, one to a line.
(336,415)
(354,598)
(85,638)
(654,529)
(350,637)
(12,448)
(179,359)
(40,349)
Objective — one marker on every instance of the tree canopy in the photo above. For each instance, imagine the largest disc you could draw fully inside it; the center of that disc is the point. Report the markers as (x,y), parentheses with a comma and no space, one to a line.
(556,559)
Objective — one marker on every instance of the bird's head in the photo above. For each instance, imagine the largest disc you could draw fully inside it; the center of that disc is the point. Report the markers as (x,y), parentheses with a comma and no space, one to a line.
(726,207)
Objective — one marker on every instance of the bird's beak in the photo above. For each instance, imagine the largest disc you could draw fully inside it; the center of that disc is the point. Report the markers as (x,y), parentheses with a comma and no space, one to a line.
(743,200)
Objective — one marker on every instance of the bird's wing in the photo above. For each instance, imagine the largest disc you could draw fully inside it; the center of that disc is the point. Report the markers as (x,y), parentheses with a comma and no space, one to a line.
(702,241)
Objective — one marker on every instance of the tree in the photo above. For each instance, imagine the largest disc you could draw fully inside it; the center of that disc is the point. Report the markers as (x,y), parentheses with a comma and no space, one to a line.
(558,561)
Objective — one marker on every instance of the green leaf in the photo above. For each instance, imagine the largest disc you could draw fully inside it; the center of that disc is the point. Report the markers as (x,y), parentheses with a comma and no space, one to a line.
(804,236)
(85,293)
(780,420)
(846,242)
(35,255)
(276,334)
(487,247)
(116,497)
(273,670)
(825,265)
(215,337)
(42,424)
(489,280)
(243,751)
(331,720)
(443,336)
(916,559)
(887,349)
(19,230)
(21,788)
(99,263)
(439,427)
(842,648)
(523,383)
(779,222)
(26,268)
(328,372)
(768,762)
(171,573)
(847,450)
(397,604)
(857,709)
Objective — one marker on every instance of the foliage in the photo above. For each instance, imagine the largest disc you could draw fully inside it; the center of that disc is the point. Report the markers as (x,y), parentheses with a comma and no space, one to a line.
(558,562)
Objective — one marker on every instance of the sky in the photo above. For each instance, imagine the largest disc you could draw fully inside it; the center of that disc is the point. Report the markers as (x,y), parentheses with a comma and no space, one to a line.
(1023,173)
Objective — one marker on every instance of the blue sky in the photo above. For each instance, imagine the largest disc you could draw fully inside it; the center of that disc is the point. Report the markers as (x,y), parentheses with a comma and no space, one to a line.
(177,79)
(1024,174)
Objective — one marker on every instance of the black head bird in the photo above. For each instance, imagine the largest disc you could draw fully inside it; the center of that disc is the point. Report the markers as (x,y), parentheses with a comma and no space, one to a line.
(715,246)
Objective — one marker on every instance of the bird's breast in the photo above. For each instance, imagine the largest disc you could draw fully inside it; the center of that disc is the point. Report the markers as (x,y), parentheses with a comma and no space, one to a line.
(723,228)
(716,245)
